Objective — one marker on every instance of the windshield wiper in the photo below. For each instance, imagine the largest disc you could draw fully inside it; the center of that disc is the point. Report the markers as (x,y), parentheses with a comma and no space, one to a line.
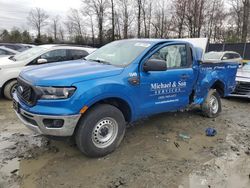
(100,61)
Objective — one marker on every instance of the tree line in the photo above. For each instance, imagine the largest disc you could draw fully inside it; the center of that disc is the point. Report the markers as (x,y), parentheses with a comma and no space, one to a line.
(98,22)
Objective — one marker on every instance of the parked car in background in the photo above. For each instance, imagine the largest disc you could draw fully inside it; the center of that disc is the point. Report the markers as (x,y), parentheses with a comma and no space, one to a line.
(226,56)
(243,82)
(13,46)
(10,67)
(7,51)
(28,46)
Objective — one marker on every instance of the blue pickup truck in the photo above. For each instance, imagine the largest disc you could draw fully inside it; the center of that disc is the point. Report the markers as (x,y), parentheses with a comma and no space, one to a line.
(93,99)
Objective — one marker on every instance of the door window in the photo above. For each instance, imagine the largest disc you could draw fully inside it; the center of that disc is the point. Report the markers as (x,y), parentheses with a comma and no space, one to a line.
(175,56)
(55,56)
(227,56)
(2,52)
(236,56)
(77,54)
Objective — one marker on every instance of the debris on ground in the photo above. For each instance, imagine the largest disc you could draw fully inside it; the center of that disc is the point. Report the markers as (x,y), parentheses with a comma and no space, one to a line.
(184,136)
(211,132)
(117,183)
(234,148)
(177,144)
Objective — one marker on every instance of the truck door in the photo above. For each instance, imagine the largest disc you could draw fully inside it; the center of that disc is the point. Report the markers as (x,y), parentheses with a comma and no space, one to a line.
(167,90)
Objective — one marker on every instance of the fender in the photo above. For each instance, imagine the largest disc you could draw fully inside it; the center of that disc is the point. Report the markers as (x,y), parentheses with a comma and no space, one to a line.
(102,90)
(109,95)
(8,74)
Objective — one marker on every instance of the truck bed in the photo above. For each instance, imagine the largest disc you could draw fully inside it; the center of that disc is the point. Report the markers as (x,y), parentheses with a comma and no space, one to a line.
(216,73)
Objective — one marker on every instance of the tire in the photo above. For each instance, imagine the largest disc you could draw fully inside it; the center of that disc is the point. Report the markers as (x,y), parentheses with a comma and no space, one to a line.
(9,89)
(102,122)
(212,107)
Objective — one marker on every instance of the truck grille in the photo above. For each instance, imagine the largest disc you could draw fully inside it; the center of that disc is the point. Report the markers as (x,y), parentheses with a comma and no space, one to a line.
(25,92)
(243,88)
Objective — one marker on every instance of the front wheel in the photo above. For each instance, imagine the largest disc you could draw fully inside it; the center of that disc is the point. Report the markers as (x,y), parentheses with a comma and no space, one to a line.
(211,107)
(9,89)
(100,131)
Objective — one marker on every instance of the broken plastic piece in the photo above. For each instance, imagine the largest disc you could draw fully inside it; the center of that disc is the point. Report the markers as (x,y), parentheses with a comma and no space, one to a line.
(211,132)
(184,136)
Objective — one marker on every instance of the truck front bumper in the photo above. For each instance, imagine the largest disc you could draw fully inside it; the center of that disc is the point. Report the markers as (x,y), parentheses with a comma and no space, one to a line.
(49,125)
(53,125)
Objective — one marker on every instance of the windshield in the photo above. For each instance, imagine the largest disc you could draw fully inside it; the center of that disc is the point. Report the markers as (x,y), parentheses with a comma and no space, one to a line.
(28,53)
(213,55)
(246,67)
(119,53)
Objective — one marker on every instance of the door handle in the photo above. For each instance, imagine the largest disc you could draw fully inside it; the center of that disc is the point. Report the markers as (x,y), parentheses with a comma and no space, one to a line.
(184,76)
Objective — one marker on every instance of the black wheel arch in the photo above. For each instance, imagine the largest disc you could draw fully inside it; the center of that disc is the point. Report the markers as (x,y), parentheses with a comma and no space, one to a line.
(119,103)
(220,87)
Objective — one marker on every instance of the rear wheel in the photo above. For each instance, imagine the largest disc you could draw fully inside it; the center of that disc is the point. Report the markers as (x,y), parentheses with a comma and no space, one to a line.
(212,105)
(100,131)
(9,89)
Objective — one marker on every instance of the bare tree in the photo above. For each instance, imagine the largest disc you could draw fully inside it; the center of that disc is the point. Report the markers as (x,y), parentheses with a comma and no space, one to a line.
(107,20)
(99,8)
(38,19)
(70,30)
(161,22)
(113,19)
(215,17)
(245,19)
(195,15)
(147,16)
(126,15)
(61,33)
(139,7)
(55,25)
(92,28)
(75,20)
(236,15)
(180,9)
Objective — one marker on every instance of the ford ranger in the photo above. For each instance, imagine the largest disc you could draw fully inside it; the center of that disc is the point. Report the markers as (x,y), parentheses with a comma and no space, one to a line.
(93,99)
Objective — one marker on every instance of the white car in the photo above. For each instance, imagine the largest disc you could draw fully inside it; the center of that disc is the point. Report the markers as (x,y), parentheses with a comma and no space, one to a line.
(226,56)
(10,67)
(243,82)
(4,52)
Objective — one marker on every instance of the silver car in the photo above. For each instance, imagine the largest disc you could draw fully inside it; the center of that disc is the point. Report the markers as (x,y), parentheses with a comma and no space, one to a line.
(226,56)
(243,82)
(7,51)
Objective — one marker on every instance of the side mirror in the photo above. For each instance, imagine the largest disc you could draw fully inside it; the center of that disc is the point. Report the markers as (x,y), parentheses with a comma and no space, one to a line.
(155,65)
(41,61)
(225,58)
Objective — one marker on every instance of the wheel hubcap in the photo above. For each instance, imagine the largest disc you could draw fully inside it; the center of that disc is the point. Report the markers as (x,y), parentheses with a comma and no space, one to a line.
(105,132)
(214,104)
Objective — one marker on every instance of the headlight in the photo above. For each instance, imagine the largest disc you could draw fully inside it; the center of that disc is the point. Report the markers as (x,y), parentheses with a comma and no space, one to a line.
(56,92)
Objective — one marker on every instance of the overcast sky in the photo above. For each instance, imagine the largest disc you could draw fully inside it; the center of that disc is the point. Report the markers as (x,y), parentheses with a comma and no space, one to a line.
(13,13)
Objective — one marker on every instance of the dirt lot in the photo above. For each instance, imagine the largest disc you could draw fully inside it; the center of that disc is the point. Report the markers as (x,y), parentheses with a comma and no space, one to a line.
(152,154)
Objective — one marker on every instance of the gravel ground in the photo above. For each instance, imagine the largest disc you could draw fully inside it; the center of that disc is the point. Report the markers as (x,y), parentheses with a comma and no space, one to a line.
(153,154)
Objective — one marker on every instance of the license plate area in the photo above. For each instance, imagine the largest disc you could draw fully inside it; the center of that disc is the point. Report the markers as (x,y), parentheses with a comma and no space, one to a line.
(16,106)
